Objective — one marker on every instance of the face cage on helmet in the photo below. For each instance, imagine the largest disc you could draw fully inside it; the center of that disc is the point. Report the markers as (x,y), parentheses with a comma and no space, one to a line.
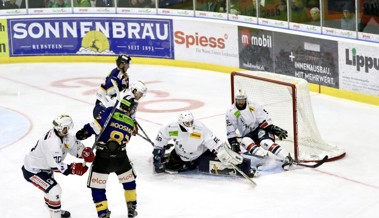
(63,129)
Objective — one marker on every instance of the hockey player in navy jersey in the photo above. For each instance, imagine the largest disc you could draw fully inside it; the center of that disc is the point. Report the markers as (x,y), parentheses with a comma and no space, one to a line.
(116,81)
(111,155)
(48,155)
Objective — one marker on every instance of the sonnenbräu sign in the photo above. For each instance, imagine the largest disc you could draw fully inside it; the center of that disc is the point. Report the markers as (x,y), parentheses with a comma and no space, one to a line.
(91,36)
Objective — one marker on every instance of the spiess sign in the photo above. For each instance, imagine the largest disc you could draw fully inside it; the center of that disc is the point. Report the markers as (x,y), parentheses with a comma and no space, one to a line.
(91,36)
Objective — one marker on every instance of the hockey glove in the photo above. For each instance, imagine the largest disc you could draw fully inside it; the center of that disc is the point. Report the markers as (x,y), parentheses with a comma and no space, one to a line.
(279,132)
(228,157)
(234,145)
(88,155)
(159,166)
(78,169)
(82,134)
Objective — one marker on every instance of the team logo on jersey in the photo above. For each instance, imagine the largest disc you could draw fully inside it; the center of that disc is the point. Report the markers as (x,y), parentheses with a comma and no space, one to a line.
(251,108)
(237,113)
(195,135)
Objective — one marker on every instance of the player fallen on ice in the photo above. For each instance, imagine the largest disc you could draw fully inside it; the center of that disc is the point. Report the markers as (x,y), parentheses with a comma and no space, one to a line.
(195,147)
(47,157)
(256,128)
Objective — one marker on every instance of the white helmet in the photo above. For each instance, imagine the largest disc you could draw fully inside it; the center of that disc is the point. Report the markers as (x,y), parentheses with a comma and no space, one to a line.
(186,120)
(139,87)
(240,94)
(63,121)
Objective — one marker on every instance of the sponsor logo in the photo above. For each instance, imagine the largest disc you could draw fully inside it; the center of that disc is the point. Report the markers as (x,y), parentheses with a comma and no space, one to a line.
(263,40)
(3,47)
(365,36)
(126,178)
(361,62)
(198,40)
(98,181)
(38,181)
(78,29)
(195,135)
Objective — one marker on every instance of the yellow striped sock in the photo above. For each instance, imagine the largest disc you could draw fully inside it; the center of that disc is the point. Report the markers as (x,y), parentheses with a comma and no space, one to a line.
(130,195)
(103,205)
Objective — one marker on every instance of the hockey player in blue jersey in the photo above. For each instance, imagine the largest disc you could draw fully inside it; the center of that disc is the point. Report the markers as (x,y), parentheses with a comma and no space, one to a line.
(111,155)
(116,81)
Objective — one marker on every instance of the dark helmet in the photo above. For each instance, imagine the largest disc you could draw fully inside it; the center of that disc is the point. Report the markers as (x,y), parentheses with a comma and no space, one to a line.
(128,104)
(123,59)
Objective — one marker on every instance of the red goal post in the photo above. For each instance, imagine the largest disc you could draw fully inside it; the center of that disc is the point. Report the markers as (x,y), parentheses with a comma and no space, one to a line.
(288,102)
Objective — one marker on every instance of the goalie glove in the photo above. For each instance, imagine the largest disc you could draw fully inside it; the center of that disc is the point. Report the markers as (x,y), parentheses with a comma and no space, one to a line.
(234,145)
(159,166)
(227,156)
(276,130)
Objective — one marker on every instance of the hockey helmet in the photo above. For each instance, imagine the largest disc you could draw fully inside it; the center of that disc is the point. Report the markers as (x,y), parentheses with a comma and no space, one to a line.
(240,98)
(186,120)
(140,89)
(128,104)
(123,59)
(240,94)
(63,123)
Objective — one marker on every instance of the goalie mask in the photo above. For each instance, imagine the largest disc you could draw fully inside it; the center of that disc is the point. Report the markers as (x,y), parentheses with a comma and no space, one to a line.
(139,89)
(128,104)
(240,99)
(186,120)
(63,123)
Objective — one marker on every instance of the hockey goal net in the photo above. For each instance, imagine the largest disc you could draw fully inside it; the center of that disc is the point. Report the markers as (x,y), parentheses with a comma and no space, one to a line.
(288,102)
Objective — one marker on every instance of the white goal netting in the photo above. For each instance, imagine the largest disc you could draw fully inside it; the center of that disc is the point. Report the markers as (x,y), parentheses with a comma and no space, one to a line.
(288,102)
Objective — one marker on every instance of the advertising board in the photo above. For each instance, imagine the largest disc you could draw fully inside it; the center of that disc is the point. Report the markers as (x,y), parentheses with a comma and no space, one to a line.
(4,49)
(359,68)
(211,43)
(91,36)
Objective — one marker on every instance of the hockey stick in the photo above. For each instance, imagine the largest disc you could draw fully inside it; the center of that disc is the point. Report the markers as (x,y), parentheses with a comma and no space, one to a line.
(319,163)
(109,116)
(243,174)
(146,137)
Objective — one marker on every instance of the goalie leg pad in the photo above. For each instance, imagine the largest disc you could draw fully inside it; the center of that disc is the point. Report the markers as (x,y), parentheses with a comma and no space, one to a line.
(227,156)
(208,163)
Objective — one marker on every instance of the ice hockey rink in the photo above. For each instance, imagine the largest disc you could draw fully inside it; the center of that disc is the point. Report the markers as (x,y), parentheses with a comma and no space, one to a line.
(31,95)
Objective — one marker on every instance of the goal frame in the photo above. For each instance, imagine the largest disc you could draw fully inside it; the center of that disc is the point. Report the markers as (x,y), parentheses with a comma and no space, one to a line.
(294,110)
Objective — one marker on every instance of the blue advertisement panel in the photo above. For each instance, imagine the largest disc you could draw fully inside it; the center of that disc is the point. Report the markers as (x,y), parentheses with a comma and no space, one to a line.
(91,36)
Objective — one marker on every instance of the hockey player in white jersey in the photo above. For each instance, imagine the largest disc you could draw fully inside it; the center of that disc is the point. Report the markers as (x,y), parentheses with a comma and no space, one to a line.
(256,128)
(136,91)
(47,156)
(194,146)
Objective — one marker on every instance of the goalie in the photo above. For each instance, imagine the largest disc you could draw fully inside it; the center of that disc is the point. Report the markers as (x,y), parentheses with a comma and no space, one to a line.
(195,146)
(255,126)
